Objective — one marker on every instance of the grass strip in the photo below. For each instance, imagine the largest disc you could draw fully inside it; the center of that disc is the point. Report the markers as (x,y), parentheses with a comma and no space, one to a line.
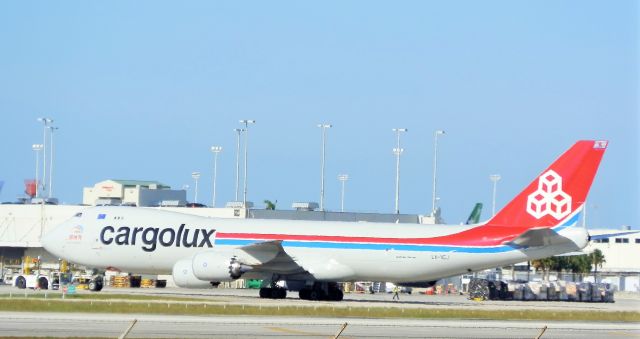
(90,306)
(97,296)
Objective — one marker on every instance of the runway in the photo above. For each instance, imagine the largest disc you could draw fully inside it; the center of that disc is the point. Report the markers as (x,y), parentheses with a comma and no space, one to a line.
(171,326)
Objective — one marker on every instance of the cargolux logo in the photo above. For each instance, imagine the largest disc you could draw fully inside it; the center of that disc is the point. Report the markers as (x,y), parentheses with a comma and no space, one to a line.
(549,199)
(151,237)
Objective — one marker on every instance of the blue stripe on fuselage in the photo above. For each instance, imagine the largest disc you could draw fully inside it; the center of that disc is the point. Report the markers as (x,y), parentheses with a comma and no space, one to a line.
(388,247)
(375,247)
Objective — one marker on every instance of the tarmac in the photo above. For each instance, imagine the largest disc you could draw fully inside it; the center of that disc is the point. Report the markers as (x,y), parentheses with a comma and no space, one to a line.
(175,326)
(624,301)
(18,324)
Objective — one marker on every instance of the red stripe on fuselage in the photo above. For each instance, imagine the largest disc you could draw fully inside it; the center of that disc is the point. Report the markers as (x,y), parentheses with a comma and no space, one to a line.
(478,236)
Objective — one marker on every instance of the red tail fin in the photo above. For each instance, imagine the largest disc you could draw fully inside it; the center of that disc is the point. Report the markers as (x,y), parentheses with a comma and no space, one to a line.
(556,193)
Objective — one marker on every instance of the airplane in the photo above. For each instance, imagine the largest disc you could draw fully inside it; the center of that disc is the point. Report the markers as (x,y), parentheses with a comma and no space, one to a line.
(312,256)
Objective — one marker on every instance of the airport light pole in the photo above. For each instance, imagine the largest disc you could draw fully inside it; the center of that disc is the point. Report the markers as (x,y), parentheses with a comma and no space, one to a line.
(216,150)
(323,127)
(494,178)
(343,178)
(51,148)
(45,122)
(398,151)
(195,176)
(246,142)
(435,169)
(37,148)
(238,132)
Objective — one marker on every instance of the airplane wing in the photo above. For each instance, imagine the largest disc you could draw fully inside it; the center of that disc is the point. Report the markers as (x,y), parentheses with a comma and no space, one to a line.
(270,257)
(262,252)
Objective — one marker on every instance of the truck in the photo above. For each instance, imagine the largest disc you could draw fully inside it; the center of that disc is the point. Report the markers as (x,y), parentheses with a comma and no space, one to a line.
(52,279)
(46,281)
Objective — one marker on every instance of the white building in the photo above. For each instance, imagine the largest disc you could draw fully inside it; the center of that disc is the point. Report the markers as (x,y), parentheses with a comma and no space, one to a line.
(622,259)
(134,193)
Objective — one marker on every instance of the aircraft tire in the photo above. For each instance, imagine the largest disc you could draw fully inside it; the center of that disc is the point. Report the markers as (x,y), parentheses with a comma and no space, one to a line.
(21,283)
(278,293)
(43,283)
(317,294)
(313,295)
(304,294)
(336,295)
(273,293)
(92,286)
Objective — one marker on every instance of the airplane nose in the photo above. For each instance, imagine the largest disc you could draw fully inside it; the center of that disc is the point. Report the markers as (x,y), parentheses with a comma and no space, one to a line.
(53,241)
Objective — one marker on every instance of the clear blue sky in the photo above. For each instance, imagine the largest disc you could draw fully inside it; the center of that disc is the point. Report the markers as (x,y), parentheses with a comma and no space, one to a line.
(142,89)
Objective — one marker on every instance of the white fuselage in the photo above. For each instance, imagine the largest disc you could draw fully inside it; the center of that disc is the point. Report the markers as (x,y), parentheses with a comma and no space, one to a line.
(148,241)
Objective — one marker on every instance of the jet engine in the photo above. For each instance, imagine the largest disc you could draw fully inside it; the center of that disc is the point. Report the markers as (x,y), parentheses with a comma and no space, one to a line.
(218,266)
(183,275)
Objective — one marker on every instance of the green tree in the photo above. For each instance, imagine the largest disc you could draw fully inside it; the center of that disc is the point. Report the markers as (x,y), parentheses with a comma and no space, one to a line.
(544,265)
(597,259)
(270,205)
(580,264)
(560,265)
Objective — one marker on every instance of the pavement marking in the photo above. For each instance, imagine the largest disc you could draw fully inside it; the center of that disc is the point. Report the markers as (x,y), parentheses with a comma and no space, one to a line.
(292,331)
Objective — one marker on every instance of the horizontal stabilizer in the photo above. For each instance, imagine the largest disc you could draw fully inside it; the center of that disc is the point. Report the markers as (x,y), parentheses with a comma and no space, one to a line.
(571,254)
(537,237)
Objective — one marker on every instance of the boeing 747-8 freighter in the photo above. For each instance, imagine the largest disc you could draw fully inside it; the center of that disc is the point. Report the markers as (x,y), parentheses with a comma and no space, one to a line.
(312,256)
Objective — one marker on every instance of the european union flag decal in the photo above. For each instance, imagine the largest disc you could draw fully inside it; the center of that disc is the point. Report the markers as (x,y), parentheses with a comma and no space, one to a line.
(102,216)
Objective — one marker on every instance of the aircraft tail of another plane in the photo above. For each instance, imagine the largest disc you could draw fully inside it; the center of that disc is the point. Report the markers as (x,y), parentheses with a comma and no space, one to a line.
(558,194)
(474,217)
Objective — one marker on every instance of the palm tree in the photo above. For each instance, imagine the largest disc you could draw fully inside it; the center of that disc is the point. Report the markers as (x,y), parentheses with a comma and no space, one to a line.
(597,259)
(270,205)
(580,264)
(545,265)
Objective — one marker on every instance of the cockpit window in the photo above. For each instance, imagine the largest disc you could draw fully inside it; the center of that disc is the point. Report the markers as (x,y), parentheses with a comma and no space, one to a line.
(78,215)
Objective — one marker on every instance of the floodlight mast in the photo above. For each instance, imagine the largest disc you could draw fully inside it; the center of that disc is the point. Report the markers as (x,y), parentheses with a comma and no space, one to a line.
(37,148)
(195,176)
(51,147)
(398,152)
(238,132)
(216,150)
(495,178)
(246,123)
(323,127)
(343,178)
(46,122)
(435,169)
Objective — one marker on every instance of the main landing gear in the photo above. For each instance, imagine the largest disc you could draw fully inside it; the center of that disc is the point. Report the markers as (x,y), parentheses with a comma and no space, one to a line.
(273,293)
(322,291)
